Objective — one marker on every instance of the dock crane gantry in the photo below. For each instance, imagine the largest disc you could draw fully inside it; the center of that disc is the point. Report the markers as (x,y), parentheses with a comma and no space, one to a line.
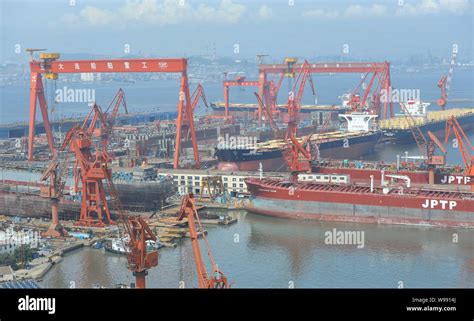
(297,157)
(50,66)
(465,146)
(198,93)
(92,169)
(217,279)
(294,98)
(427,146)
(268,115)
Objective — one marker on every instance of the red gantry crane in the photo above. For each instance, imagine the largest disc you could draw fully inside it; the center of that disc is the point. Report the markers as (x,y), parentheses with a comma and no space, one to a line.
(294,98)
(297,157)
(268,115)
(217,279)
(444,83)
(50,66)
(379,84)
(240,81)
(92,169)
(465,146)
(198,93)
(427,146)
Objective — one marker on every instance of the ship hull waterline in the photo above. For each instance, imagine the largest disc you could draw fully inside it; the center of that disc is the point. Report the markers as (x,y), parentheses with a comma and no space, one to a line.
(359,208)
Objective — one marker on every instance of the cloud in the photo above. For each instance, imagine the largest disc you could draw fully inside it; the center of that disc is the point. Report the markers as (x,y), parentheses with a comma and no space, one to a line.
(375,10)
(422,7)
(155,12)
(265,12)
(427,7)
(95,16)
(322,14)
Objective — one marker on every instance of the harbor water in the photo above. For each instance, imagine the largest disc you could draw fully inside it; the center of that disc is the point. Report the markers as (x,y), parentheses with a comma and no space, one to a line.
(266,252)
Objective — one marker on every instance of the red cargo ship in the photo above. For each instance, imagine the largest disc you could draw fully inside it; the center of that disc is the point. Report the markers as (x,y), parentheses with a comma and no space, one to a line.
(359,171)
(361,203)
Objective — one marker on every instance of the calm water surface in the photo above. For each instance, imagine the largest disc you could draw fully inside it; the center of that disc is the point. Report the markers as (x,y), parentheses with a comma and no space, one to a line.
(264,252)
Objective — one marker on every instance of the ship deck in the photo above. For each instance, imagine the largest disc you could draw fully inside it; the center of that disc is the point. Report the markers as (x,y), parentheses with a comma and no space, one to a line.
(365,189)
(318,137)
(401,122)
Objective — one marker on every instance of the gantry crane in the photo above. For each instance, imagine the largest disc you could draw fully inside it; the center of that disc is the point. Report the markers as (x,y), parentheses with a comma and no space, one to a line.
(114,107)
(90,122)
(294,98)
(427,146)
(139,258)
(297,157)
(50,66)
(380,80)
(92,169)
(444,82)
(198,93)
(465,146)
(217,279)
(106,119)
(268,115)
(54,191)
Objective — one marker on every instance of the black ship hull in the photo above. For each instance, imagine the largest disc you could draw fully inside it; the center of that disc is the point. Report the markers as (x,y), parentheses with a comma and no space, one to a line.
(272,159)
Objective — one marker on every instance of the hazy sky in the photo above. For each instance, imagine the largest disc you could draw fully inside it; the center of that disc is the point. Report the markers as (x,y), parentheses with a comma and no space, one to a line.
(372,29)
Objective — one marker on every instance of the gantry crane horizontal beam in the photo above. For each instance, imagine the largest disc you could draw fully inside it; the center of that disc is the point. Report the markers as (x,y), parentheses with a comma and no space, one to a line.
(110,65)
(50,65)
(345,67)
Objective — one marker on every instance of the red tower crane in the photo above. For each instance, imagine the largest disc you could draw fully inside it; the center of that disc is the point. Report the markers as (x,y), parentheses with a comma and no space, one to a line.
(444,83)
(50,66)
(465,146)
(380,73)
(54,191)
(217,279)
(297,157)
(427,146)
(114,107)
(198,93)
(90,169)
(268,114)
(294,100)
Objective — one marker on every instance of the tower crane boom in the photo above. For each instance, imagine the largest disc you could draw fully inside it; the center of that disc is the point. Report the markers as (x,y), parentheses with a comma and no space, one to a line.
(217,279)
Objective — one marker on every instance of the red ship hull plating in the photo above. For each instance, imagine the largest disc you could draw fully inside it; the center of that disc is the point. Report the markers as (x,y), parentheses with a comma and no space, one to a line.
(357,204)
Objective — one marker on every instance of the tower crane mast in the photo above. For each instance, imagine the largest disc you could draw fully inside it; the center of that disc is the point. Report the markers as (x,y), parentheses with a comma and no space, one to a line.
(217,279)
(54,191)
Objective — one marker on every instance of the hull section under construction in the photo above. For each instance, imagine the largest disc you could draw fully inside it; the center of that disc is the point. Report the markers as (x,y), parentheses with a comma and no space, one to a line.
(20,200)
(342,147)
(358,204)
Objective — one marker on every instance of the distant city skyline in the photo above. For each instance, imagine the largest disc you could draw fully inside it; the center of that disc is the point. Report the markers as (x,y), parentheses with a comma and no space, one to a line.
(371,30)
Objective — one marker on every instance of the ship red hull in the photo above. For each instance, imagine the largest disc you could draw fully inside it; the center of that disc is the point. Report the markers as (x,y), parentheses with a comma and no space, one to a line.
(416,176)
(357,204)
